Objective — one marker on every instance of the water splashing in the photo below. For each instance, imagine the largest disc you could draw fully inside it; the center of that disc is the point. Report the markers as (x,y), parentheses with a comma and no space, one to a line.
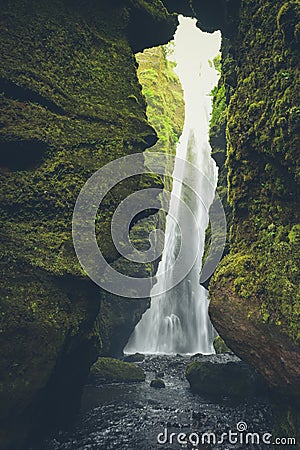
(178,321)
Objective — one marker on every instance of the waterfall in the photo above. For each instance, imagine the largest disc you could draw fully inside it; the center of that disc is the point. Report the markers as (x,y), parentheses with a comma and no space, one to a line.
(178,321)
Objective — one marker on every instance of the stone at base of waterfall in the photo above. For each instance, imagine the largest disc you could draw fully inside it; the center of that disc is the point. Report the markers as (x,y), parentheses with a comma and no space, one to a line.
(134,358)
(157,383)
(220,346)
(224,376)
(110,370)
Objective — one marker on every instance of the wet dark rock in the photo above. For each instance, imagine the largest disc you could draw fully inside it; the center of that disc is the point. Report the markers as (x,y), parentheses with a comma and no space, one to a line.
(136,357)
(196,356)
(288,22)
(158,383)
(224,376)
(144,18)
(213,15)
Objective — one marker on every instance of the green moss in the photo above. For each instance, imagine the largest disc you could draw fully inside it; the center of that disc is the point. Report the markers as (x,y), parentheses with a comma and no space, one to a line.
(294,235)
(99,122)
(287,422)
(217,137)
(288,18)
(70,102)
(113,370)
(266,276)
(163,95)
(255,289)
(231,379)
(219,110)
(262,161)
(220,346)
(136,357)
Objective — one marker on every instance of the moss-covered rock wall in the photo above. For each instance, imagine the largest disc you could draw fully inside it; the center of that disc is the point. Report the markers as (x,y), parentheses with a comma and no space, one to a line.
(70,103)
(255,301)
(163,94)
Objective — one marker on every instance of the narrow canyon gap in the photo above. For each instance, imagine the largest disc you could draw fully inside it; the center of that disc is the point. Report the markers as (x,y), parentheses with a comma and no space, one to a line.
(178,321)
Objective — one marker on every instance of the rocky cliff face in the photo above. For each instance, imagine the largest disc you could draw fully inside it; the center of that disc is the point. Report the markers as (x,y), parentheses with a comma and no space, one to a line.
(70,103)
(255,290)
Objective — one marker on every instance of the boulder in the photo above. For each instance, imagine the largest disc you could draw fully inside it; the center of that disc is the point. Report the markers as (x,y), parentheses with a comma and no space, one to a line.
(136,357)
(157,383)
(112,370)
(223,376)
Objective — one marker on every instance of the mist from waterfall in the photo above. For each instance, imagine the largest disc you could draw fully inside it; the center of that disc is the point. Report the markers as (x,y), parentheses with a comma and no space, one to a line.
(178,321)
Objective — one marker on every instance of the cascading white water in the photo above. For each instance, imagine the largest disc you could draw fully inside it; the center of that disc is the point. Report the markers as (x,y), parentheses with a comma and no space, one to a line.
(178,321)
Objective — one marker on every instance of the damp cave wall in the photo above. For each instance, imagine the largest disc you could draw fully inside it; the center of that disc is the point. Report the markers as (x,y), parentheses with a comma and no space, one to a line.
(70,102)
(255,290)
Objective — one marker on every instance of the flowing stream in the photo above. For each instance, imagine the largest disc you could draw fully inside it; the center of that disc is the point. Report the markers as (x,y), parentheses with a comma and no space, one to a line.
(130,416)
(178,321)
